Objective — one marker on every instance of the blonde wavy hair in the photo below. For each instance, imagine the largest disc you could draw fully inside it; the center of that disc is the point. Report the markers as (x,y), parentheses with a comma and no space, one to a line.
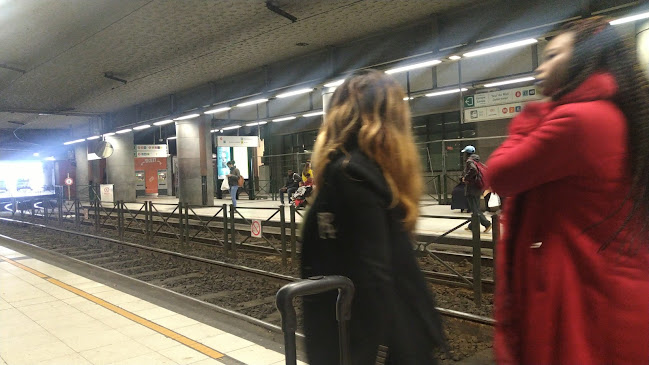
(369,107)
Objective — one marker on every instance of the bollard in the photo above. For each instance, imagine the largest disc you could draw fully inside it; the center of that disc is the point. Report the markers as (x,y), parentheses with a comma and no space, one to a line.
(293,236)
(232,233)
(495,237)
(226,243)
(282,223)
(477,259)
(59,206)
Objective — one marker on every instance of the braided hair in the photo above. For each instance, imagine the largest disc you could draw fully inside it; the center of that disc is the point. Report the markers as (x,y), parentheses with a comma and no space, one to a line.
(599,47)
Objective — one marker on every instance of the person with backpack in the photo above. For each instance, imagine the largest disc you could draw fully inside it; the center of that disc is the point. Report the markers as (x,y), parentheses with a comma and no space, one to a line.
(474,178)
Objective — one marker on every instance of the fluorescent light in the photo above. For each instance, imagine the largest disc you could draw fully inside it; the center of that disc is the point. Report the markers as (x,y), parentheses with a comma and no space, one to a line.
(252,102)
(174,137)
(502,47)
(93,137)
(109,134)
(163,122)
(35,154)
(218,110)
(140,127)
(124,131)
(294,92)
(189,116)
(335,83)
(75,141)
(454,58)
(407,98)
(507,82)
(51,158)
(283,119)
(629,19)
(313,114)
(412,67)
(256,123)
(446,92)
(231,127)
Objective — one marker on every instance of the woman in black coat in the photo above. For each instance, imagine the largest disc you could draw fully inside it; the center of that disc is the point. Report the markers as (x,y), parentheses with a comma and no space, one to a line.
(361,225)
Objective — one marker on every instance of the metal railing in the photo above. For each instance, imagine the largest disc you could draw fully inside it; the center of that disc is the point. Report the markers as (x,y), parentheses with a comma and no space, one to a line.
(186,223)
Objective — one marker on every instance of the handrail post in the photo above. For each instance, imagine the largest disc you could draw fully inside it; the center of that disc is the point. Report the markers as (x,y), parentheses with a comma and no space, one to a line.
(282,222)
(120,219)
(293,237)
(495,237)
(97,202)
(233,238)
(77,221)
(226,242)
(59,202)
(186,222)
(181,229)
(477,259)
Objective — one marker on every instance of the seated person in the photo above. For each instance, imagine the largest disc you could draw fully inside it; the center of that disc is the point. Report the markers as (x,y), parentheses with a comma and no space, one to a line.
(292,183)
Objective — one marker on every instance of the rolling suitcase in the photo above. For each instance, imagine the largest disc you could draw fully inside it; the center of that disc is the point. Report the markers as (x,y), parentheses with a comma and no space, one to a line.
(310,286)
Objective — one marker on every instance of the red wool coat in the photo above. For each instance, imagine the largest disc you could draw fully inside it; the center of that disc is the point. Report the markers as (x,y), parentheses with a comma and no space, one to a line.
(559,300)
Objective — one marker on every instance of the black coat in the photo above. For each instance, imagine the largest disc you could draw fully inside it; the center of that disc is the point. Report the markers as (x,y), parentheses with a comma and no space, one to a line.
(350,230)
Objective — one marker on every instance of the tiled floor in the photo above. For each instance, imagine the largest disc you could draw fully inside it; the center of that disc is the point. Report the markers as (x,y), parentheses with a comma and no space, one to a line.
(43,323)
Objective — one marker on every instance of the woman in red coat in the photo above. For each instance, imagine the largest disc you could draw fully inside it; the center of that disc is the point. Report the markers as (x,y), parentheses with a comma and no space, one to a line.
(573,264)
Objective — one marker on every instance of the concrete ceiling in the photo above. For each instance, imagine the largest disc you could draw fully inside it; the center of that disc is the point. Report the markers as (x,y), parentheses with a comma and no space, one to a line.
(160,47)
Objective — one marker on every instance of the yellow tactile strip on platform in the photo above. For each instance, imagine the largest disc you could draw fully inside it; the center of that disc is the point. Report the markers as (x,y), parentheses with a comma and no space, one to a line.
(134,317)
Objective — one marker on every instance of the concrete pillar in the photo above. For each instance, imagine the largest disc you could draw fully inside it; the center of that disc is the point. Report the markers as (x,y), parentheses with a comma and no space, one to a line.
(195,171)
(120,167)
(642,38)
(82,175)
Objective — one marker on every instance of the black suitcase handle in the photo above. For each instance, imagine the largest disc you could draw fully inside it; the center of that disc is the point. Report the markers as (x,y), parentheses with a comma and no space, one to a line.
(310,286)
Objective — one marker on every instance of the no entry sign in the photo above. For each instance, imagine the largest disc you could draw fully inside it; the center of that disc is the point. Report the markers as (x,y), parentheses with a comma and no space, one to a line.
(255,228)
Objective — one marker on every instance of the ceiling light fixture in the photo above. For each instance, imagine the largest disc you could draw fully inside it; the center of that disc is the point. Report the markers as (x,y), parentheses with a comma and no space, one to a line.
(256,123)
(446,92)
(502,47)
(507,82)
(294,92)
(36,154)
(174,137)
(231,127)
(109,134)
(454,58)
(140,127)
(313,114)
(218,110)
(252,102)
(335,83)
(75,141)
(92,138)
(163,122)
(412,67)
(283,119)
(189,116)
(51,158)
(629,19)
(124,131)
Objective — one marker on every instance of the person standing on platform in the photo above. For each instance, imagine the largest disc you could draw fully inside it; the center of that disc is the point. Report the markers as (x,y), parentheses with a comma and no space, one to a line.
(361,226)
(473,178)
(573,264)
(233,181)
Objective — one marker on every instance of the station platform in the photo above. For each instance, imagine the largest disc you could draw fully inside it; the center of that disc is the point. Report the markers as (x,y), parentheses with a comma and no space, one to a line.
(250,210)
(50,315)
